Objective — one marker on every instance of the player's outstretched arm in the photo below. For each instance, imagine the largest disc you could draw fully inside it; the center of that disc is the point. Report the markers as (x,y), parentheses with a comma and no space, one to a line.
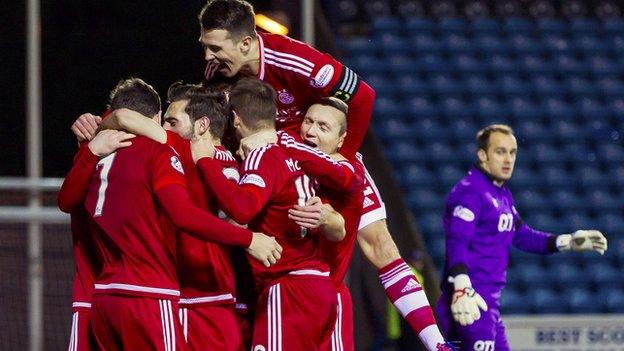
(582,240)
(358,119)
(466,301)
(134,122)
(316,215)
(85,126)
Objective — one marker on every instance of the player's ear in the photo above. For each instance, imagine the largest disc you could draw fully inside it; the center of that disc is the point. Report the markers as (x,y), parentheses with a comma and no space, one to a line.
(202,125)
(341,140)
(245,45)
(236,120)
(482,155)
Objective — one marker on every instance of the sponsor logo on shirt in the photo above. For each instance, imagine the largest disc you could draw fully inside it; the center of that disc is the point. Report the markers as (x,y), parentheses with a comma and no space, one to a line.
(463,213)
(495,202)
(253,179)
(285,97)
(323,77)
(231,174)
(176,164)
(411,285)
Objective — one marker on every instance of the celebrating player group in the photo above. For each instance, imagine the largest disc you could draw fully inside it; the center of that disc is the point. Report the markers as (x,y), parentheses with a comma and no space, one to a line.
(180,245)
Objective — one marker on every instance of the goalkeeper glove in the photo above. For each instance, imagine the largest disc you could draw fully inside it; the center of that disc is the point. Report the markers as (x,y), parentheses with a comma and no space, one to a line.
(582,240)
(466,302)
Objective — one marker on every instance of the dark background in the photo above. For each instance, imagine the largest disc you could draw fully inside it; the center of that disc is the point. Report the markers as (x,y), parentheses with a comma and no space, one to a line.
(87,46)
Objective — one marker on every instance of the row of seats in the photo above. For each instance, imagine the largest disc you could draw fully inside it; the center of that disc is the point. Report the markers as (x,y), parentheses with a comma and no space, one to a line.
(572,300)
(492,26)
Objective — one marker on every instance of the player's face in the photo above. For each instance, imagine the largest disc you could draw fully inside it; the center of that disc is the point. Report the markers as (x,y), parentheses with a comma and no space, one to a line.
(500,157)
(321,128)
(177,120)
(219,45)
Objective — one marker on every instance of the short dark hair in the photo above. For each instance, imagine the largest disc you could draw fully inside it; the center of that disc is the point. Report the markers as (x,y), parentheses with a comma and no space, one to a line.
(338,105)
(254,102)
(136,95)
(235,16)
(483,136)
(219,83)
(201,102)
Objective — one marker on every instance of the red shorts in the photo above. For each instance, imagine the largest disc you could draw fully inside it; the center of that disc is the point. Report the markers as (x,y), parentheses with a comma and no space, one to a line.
(342,336)
(135,323)
(211,327)
(295,313)
(373,208)
(79,336)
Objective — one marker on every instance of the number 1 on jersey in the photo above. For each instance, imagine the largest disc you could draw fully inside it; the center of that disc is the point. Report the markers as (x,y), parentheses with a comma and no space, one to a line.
(105,165)
(305,192)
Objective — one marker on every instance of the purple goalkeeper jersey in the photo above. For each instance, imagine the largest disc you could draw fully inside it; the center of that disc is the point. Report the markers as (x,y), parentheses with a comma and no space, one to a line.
(481,223)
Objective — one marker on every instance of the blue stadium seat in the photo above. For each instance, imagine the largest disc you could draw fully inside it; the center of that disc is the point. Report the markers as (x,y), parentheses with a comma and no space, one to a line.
(546,86)
(420,107)
(431,224)
(386,25)
(486,26)
(555,44)
(616,44)
(532,199)
(579,86)
(448,26)
(403,152)
(498,64)
(524,177)
(381,84)
(426,200)
(613,225)
(558,178)
(611,87)
(545,222)
(517,25)
(601,200)
(394,128)
(419,26)
(613,300)
(430,129)
(577,152)
(531,274)
(463,129)
(450,175)
(568,65)
(414,175)
(433,64)
(616,105)
(568,130)
(567,200)
(514,86)
(402,64)
(532,131)
(437,249)
(455,107)
(479,86)
(440,152)
(582,301)
(611,153)
(360,46)
(591,177)
(588,45)
(612,27)
(457,43)
(424,44)
(468,64)
(492,45)
(525,109)
(602,66)
(604,275)
(490,108)
(366,64)
(526,45)
(387,106)
(584,26)
(409,85)
(558,109)
(392,44)
(565,275)
(535,65)
(445,85)
(592,109)
(550,26)
(578,220)
(513,303)
(544,301)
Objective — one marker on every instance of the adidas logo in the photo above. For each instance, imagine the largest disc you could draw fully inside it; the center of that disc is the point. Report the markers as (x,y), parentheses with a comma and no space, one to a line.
(368,202)
(411,285)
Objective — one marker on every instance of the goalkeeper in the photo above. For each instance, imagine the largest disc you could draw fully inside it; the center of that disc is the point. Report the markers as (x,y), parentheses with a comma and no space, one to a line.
(481,223)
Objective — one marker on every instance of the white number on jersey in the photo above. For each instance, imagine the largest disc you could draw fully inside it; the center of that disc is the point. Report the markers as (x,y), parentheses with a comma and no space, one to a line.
(505,222)
(484,345)
(105,165)
(305,192)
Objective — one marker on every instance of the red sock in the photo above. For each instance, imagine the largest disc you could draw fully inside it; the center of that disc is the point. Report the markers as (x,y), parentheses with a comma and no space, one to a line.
(408,296)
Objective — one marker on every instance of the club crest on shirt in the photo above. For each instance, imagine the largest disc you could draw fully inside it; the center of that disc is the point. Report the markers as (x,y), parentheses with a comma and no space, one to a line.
(176,164)
(323,76)
(253,179)
(285,97)
(464,213)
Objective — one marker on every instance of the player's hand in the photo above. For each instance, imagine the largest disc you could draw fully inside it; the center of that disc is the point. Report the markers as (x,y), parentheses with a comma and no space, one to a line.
(583,240)
(202,147)
(255,141)
(85,126)
(312,215)
(108,141)
(466,301)
(265,249)
(211,68)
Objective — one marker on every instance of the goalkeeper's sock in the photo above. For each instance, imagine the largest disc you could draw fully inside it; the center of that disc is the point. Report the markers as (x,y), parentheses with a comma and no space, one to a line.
(408,296)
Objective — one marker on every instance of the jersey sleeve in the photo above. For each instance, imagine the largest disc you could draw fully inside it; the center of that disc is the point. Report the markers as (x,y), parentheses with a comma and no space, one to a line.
(530,240)
(464,210)
(76,184)
(317,164)
(242,201)
(166,168)
(329,77)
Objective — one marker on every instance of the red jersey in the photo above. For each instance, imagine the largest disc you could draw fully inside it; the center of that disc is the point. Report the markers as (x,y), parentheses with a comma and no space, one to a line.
(271,183)
(204,270)
(137,251)
(301,75)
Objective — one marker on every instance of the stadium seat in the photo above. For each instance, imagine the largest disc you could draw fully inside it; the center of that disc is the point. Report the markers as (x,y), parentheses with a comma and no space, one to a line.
(616,43)
(526,45)
(533,131)
(582,301)
(490,108)
(568,65)
(533,65)
(392,44)
(613,300)
(387,106)
(611,87)
(366,64)
(454,108)
(431,224)
(514,86)
(360,46)
(430,129)
(601,200)
(518,25)
(492,45)
(546,86)
(486,26)
(544,222)
(602,66)
(613,27)
(440,152)
(412,85)
(567,200)
(386,25)
(523,178)
(588,45)
(616,105)
(420,107)
(498,64)
(433,64)
(513,303)
(463,129)
(556,109)
(532,199)
(457,43)
(421,44)
(591,177)
(395,128)
(577,219)
(419,26)
(468,64)
(555,44)
(584,26)
(547,153)
(382,85)
(448,26)
(579,86)
(568,130)
(404,152)
(445,85)
(564,275)
(401,65)
(611,153)
(613,225)
(551,26)
(544,301)
(525,109)
(531,274)
(449,176)
(557,177)
(414,175)
(604,276)
(426,200)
